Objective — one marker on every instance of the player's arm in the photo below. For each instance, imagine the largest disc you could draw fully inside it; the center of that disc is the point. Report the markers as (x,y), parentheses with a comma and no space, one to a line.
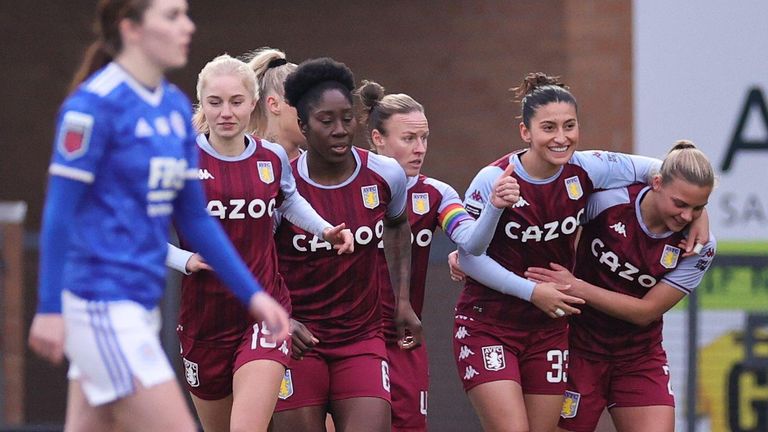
(545,295)
(184,261)
(640,311)
(474,236)
(46,335)
(397,249)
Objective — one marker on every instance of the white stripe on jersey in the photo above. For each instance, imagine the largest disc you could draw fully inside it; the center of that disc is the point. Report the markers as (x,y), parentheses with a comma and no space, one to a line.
(70,173)
(106,81)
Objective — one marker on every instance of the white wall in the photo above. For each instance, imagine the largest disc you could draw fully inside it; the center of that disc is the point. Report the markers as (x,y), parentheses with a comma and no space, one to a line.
(694,64)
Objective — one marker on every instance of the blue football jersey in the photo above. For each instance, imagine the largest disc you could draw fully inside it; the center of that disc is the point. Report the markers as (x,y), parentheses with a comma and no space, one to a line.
(135,148)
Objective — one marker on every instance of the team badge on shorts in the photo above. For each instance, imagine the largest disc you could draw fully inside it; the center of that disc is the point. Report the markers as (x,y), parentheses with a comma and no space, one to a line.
(570,404)
(74,134)
(190,372)
(573,186)
(370,196)
(286,386)
(669,256)
(265,171)
(493,358)
(420,203)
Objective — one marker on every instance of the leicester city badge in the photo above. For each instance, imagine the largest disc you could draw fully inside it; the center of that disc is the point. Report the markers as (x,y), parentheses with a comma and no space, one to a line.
(420,203)
(573,186)
(190,372)
(286,386)
(493,358)
(669,256)
(570,404)
(370,196)
(265,171)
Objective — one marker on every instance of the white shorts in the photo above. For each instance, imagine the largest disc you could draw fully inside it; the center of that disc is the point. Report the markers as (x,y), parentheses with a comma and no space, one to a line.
(111,345)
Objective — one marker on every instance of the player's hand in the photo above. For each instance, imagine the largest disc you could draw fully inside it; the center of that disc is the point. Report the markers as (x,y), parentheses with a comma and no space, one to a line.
(409,331)
(196,262)
(553,291)
(46,336)
(453,267)
(341,238)
(264,308)
(303,340)
(506,190)
(698,235)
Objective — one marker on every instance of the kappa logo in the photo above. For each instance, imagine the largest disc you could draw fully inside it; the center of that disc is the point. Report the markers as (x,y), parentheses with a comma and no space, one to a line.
(573,186)
(204,174)
(284,348)
(191,373)
(521,203)
(570,404)
(286,386)
(465,352)
(669,256)
(74,134)
(420,203)
(265,171)
(493,358)
(620,228)
(462,332)
(370,196)
(475,195)
(470,373)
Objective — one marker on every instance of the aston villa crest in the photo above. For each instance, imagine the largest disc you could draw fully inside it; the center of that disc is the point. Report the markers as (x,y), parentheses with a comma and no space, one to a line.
(370,196)
(286,386)
(190,373)
(420,203)
(573,186)
(265,171)
(669,256)
(570,404)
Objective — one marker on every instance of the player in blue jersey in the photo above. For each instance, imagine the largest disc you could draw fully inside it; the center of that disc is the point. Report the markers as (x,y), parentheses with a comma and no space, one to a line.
(123,158)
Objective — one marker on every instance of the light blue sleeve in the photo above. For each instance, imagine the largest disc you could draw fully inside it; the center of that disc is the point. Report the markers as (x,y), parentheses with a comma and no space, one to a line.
(395,177)
(493,275)
(609,170)
(687,276)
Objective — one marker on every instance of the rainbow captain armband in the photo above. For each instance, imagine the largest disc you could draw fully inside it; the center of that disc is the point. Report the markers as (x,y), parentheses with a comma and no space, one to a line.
(452,216)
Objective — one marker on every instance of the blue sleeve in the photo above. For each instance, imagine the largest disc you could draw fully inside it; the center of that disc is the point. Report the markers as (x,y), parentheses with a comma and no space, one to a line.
(61,200)
(206,236)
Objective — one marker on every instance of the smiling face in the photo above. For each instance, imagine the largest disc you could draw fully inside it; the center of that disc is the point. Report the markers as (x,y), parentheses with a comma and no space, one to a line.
(405,140)
(553,135)
(227,105)
(330,126)
(677,203)
(164,33)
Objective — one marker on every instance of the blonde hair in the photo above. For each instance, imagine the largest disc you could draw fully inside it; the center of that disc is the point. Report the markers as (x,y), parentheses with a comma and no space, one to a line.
(221,65)
(380,107)
(686,162)
(271,69)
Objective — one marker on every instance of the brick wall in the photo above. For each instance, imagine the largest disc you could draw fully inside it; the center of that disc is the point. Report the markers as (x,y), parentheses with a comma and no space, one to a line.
(457,58)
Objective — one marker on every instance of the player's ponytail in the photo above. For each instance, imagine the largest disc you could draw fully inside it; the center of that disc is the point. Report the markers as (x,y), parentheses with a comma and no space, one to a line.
(108,43)
(686,162)
(271,68)
(539,89)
